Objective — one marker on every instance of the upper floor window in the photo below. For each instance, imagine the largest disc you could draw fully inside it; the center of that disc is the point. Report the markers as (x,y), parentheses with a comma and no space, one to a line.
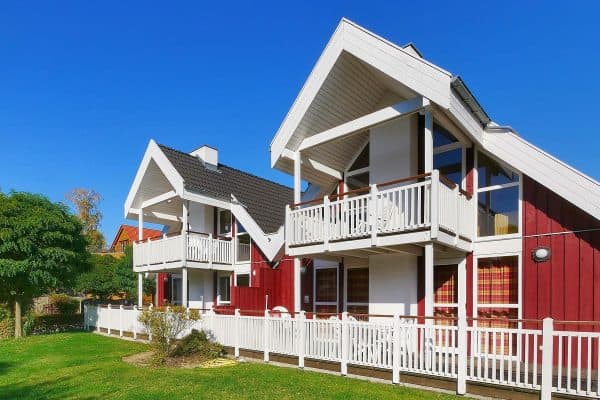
(224,222)
(497,198)
(447,154)
(357,176)
(123,244)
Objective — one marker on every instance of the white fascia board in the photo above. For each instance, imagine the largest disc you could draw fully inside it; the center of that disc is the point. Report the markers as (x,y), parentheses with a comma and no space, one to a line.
(202,199)
(153,152)
(360,124)
(572,185)
(159,199)
(465,119)
(416,73)
(152,216)
(314,164)
(269,244)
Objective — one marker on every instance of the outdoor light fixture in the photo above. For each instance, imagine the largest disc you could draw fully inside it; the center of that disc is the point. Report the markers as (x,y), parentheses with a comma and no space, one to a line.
(541,254)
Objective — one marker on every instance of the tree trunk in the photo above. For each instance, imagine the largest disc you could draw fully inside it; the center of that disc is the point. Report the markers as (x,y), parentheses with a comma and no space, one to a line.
(18,328)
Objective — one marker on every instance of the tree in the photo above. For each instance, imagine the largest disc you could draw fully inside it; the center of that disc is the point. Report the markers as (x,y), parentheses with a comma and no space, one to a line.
(110,276)
(86,203)
(41,248)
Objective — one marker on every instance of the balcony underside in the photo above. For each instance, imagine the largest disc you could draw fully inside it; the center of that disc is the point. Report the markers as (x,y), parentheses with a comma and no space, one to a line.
(404,242)
(175,266)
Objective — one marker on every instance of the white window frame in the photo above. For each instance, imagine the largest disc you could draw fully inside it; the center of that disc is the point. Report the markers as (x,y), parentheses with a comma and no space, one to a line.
(219,276)
(229,234)
(519,306)
(441,263)
(451,147)
(346,303)
(337,287)
(236,243)
(478,190)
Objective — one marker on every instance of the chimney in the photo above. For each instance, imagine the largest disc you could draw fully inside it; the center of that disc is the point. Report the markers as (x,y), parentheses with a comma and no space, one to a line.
(208,155)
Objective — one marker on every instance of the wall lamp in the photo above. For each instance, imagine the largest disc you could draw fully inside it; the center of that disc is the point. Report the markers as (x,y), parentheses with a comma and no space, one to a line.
(541,254)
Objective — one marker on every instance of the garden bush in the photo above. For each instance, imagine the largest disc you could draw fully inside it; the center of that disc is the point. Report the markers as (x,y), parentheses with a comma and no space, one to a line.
(198,343)
(166,324)
(64,304)
(54,323)
(7,327)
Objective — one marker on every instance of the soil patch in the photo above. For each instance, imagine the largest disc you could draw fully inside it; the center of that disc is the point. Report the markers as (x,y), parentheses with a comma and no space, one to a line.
(192,361)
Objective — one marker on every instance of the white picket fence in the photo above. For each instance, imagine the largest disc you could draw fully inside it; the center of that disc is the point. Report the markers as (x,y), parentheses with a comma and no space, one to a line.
(545,360)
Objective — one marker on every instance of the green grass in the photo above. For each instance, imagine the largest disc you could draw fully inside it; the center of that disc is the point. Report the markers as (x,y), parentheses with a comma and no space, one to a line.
(88,366)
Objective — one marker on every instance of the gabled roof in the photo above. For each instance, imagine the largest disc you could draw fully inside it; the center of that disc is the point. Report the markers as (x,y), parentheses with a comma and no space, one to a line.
(388,64)
(132,234)
(264,200)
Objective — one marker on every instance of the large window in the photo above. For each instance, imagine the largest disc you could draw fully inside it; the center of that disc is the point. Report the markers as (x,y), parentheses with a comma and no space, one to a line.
(224,289)
(326,289)
(357,176)
(447,154)
(357,290)
(497,198)
(445,295)
(498,298)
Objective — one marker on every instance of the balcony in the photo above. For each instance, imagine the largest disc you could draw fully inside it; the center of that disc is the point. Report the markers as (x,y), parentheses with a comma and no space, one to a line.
(198,249)
(417,209)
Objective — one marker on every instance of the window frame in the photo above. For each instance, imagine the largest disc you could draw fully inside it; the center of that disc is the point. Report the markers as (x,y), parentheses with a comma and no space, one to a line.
(354,303)
(348,173)
(451,147)
(219,278)
(226,234)
(477,190)
(337,287)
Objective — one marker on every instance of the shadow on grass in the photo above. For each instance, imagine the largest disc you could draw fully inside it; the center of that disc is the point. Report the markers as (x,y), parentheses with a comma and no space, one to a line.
(4,366)
(48,389)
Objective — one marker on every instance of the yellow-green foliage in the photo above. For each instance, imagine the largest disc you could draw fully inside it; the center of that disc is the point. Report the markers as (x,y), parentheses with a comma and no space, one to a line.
(64,304)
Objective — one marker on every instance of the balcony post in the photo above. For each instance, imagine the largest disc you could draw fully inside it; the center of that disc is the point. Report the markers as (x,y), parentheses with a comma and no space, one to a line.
(288,229)
(297,261)
(428,142)
(184,286)
(435,185)
(184,230)
(210,249)
(140,289)
(372,213)
(428,282)
(326,221)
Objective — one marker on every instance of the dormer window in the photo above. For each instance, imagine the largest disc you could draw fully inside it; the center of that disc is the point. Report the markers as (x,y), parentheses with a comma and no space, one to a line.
(357,176)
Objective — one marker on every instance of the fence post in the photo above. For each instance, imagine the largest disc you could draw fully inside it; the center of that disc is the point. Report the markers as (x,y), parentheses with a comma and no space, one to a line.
(396,350)
(150,331)
(85,317)
(461,380)
(266,336)
(121,320)
(237,333)
(301,338)
(345,344)
(136,322)
(109,313)
(98,317)
(547,347)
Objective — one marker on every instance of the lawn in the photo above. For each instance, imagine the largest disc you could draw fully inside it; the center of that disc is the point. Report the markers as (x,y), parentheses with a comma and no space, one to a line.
(88,366)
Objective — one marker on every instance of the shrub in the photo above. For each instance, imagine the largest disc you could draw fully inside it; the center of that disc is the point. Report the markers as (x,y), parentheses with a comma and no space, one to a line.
(165,324)
(197,343)
(64,304)
(7,328)
(43,324)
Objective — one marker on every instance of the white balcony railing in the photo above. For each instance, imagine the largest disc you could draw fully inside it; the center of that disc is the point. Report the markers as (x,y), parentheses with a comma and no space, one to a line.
(200,248)
(426,201)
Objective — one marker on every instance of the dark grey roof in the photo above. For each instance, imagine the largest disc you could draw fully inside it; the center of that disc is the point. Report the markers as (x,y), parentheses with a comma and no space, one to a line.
(264,200)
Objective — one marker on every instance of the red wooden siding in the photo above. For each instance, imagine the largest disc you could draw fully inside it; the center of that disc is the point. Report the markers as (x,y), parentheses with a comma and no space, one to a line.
(566,287)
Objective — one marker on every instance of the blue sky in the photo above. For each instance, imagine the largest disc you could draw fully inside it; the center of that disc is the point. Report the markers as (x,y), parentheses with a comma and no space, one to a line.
(85,85)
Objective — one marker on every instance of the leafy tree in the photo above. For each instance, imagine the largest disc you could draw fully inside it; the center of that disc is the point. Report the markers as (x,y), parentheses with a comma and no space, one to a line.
(86,203)
(41,248)
(110,276)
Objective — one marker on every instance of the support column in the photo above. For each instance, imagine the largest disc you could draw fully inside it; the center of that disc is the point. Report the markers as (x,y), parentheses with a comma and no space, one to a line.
(462,341)
(428,142)
(140,289)
(297,261)
(428,282)
(184,286)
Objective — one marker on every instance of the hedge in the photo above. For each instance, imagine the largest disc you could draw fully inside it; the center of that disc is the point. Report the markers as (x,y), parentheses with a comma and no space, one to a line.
(43,324)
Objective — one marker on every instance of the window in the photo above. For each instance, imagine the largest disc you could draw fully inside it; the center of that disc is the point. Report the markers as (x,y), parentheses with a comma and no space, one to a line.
(224,289)
(445,296)
(123,244)
(447,154)
(498,299)
(357,176)
(497,198)
(224,223)
(243,247)
(326,290)
(357,290)
(243,280)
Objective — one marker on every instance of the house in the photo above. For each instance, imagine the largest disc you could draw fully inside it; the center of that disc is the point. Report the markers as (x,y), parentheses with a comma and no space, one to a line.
(127,234)
(223,232)
(419,204)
